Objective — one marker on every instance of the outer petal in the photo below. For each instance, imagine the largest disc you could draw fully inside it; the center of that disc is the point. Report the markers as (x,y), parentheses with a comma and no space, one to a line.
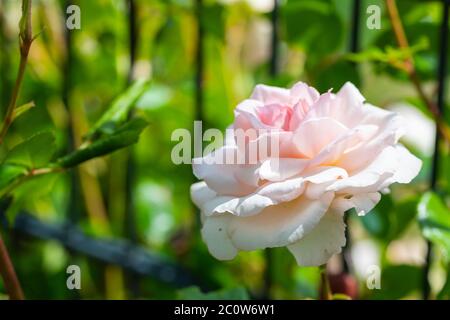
(226,179)
(214,233)
(201,193)
(274,193)
(363,203)
(394,164)
(267,195)
(279,225)
(326,239)
(302,92)
(269,95)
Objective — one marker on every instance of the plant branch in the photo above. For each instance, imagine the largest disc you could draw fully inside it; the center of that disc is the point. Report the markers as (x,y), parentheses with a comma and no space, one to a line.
(27,176)
(325,290)
(410,69)
(25,41)
(8,274)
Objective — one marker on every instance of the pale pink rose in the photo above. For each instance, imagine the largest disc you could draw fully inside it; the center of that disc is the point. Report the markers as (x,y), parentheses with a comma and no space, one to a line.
(336,153)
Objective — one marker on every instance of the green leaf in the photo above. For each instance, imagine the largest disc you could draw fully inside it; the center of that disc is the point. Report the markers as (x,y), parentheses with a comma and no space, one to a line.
(336,75)
(434,220)
(124,136)
(33,152)
(119,110)
(315,26)
(213,20)
(444,294)
(22,109)
(9,173)
(398,281)
(389,220)
(194,293)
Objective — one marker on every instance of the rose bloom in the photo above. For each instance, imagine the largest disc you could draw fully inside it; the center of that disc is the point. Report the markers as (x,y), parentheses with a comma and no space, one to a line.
(336,152)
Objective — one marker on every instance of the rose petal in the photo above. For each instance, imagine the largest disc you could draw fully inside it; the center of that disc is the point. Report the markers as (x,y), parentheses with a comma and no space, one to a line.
(201,193)
(278,225)
(269,95)
(314,135)
(326,239)
(214,233)
(363,203)
(267,195)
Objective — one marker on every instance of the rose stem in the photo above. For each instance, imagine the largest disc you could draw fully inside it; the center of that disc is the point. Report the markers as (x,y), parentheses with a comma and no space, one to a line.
(435,109)
(409,68)
(8,274)
(26,39)
(325,289)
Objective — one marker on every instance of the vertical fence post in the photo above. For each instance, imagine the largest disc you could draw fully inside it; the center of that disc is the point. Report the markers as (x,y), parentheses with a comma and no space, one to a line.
(74,197)
(273,72)
(130,218)
(354,48)
(199,81)
(199,88)
(441,77)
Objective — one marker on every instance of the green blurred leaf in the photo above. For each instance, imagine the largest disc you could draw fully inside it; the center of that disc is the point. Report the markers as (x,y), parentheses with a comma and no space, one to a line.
(444,294)
(213,21)
(119,110)
(22,109)
(398,281)
(33,152)
(434,220)
(336,75)
(389,220)
(194,293)
(9,173)
(124,136)
(315,26)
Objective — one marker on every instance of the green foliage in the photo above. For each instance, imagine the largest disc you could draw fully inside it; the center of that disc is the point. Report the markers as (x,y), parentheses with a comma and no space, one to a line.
(434,220)
(33,152)
(388,220)
(123,136)
(398,281)
(315,26)
(117,114)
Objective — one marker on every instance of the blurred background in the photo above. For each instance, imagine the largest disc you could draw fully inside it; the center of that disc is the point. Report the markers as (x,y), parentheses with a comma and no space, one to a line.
(127,220)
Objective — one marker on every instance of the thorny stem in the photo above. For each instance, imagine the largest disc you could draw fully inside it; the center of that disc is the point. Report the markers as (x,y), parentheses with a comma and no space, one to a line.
(8,274)
(25,40)
(409,67)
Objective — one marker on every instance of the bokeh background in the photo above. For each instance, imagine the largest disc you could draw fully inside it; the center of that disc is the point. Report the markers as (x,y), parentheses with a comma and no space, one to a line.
(127,220)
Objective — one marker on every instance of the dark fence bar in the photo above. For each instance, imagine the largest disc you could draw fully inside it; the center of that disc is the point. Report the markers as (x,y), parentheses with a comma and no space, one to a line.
(121,252)
(273,72)
(130,214)
(441,77)
(354,48)
(200,63)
